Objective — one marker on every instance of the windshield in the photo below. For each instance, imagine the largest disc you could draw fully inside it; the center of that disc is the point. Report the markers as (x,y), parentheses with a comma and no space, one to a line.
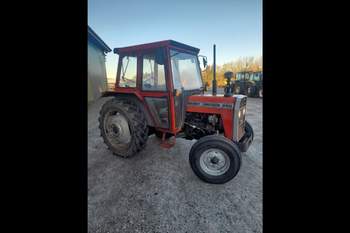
(256,77)
(186,71)
(251,77)
(242,76)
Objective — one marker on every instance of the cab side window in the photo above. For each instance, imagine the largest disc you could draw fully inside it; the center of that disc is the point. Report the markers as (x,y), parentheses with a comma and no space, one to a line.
(153,73)
(128,72)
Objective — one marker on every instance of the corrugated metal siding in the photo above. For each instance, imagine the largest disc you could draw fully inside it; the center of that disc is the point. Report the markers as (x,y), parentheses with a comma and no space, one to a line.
(97,77)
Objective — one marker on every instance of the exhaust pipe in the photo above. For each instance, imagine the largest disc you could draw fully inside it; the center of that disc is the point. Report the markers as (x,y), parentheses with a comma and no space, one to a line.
(214,70)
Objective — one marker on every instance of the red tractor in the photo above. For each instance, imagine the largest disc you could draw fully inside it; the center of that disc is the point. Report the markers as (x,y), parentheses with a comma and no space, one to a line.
(159,90)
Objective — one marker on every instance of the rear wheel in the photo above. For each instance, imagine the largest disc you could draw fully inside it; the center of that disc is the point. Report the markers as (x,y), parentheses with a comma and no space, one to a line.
(215,159)
(123,127)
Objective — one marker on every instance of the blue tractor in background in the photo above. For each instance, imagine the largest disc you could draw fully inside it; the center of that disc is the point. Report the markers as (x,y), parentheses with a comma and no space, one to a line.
(249,83)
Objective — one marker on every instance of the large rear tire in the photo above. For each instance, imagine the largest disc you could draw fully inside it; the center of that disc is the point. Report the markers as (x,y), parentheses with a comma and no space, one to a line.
(123,127)
(215,159)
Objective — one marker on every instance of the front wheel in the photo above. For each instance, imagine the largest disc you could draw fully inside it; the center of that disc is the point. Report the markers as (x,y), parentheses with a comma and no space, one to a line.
(252,91)
(215,159)
(249,91)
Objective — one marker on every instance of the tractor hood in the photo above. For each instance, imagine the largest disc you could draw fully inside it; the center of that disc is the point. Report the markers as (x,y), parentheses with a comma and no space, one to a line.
(232,110)
(210,101)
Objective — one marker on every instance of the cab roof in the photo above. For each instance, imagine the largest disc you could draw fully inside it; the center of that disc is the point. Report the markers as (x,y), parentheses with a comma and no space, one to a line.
(163,43)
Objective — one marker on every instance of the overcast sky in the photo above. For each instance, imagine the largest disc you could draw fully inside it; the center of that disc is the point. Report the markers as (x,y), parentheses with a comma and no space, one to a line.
(235,26)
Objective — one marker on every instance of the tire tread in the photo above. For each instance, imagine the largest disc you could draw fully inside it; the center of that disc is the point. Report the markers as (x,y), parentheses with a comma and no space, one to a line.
(137,122)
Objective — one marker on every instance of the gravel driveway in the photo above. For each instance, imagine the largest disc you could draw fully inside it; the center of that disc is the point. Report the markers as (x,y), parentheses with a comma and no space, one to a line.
(156,190)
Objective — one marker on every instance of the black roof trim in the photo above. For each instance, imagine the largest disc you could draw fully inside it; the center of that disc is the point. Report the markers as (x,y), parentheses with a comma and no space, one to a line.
(155,45)
(182,45)
(98,41)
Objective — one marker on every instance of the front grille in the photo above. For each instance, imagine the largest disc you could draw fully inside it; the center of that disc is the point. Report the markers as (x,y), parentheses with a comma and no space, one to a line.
(242,119)
(243,102)
(239,119)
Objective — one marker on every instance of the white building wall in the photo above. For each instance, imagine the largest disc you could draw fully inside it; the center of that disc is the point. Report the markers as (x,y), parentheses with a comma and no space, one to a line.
(97,76)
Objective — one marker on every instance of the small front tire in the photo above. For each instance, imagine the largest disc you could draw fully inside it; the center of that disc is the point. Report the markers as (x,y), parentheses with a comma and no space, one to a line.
(249,91)
(215,159)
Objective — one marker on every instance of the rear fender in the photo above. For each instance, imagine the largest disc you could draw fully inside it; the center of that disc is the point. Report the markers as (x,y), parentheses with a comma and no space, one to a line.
(134,97)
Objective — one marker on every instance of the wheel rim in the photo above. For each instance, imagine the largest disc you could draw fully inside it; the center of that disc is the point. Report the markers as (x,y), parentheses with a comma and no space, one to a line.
(214,162)
(117,130)
(260,93)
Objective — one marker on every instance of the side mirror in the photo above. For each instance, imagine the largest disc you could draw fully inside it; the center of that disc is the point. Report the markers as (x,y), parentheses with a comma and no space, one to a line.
(205,62)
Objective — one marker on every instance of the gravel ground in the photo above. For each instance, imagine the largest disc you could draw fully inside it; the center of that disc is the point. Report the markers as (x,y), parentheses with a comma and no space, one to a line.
(156,190)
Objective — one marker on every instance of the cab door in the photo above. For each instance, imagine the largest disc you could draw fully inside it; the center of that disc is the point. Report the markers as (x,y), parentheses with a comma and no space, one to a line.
(176,96)
(186,79)
(154,87)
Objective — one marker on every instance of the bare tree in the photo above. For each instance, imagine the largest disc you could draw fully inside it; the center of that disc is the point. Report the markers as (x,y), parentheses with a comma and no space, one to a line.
(241,64)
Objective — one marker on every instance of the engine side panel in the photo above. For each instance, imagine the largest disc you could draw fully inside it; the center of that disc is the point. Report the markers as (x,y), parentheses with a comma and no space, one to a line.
(223,106)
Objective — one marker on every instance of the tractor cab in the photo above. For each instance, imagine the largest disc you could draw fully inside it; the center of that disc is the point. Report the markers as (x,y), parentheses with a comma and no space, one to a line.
(242,82)
(249,83)
(257,76)
(161,74)
(243,76)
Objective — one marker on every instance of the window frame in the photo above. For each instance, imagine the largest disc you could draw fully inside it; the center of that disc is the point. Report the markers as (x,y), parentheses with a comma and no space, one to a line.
(256,79)
(190,53)
(120,62)
(169,112)
(165,70)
